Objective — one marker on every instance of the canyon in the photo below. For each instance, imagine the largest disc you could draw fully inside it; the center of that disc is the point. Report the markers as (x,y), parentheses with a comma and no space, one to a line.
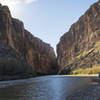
(23,55)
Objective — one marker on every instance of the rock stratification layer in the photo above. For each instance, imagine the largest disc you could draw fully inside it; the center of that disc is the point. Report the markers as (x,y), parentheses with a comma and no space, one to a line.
(37,54)
(80,47)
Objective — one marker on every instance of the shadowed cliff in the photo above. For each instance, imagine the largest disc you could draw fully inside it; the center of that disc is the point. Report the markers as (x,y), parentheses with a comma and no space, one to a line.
(37,55)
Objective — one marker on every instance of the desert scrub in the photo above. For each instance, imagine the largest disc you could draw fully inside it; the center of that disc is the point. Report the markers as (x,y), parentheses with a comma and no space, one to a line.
(93,70)
(96,48)
(84,53)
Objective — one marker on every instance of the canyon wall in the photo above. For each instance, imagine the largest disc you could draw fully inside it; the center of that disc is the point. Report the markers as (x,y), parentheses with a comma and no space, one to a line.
(36,54)
(80,46)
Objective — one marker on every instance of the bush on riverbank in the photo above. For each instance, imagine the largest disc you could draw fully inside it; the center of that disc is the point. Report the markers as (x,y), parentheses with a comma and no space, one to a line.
(93,70)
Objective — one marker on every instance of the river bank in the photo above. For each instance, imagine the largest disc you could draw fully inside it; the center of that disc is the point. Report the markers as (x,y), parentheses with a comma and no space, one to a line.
(89,92)
(81,75)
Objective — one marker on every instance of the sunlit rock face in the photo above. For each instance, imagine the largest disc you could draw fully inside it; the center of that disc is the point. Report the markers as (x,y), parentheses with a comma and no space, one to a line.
(37,54)
(79,47)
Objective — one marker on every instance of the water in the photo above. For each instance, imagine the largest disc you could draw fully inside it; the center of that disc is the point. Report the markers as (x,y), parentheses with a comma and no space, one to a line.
(41,88)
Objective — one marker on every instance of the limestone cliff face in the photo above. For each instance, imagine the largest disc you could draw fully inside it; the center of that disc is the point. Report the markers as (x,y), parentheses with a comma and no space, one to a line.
(78,46)
(39,55)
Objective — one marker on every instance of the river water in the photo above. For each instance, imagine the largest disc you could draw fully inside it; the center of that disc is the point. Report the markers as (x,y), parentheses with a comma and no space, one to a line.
(42,88)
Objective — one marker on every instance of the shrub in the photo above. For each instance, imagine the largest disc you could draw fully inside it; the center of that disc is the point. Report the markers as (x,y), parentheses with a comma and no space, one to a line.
(93,70)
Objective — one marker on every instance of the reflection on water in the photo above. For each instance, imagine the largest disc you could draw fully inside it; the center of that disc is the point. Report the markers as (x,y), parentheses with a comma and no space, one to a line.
(41,88)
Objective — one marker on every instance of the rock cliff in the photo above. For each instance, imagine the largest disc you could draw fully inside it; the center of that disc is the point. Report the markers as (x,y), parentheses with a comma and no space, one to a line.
(16,40)
(80,47)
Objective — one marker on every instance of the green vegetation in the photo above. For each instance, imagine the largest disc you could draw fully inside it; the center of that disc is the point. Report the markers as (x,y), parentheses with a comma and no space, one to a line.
(93,70)
(96,48)
(84,53)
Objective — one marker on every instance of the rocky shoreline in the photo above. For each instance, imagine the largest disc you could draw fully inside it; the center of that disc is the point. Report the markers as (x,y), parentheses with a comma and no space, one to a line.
(89,92)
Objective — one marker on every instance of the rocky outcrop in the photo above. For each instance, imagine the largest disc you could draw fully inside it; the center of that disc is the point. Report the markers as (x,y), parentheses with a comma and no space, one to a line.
(37,55)
(79,48)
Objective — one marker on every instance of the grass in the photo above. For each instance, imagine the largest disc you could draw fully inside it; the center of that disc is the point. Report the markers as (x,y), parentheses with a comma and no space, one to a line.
(84,53)
(96,48)
(88,71)
(82,75)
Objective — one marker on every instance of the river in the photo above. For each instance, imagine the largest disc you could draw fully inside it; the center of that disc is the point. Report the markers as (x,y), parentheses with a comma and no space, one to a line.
(42,88)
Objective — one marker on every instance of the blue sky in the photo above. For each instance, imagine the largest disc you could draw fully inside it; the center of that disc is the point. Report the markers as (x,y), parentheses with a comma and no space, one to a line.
(48,19)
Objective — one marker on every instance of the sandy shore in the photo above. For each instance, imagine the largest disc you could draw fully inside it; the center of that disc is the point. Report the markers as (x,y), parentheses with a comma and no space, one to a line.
(90,92)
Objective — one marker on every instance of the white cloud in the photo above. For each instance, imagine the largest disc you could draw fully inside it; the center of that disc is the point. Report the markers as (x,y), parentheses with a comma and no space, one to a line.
(29,1)
(15,5)
(9,2)
(15,2)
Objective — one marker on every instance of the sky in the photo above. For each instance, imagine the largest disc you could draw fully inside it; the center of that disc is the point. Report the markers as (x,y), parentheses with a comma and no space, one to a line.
(48,19)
